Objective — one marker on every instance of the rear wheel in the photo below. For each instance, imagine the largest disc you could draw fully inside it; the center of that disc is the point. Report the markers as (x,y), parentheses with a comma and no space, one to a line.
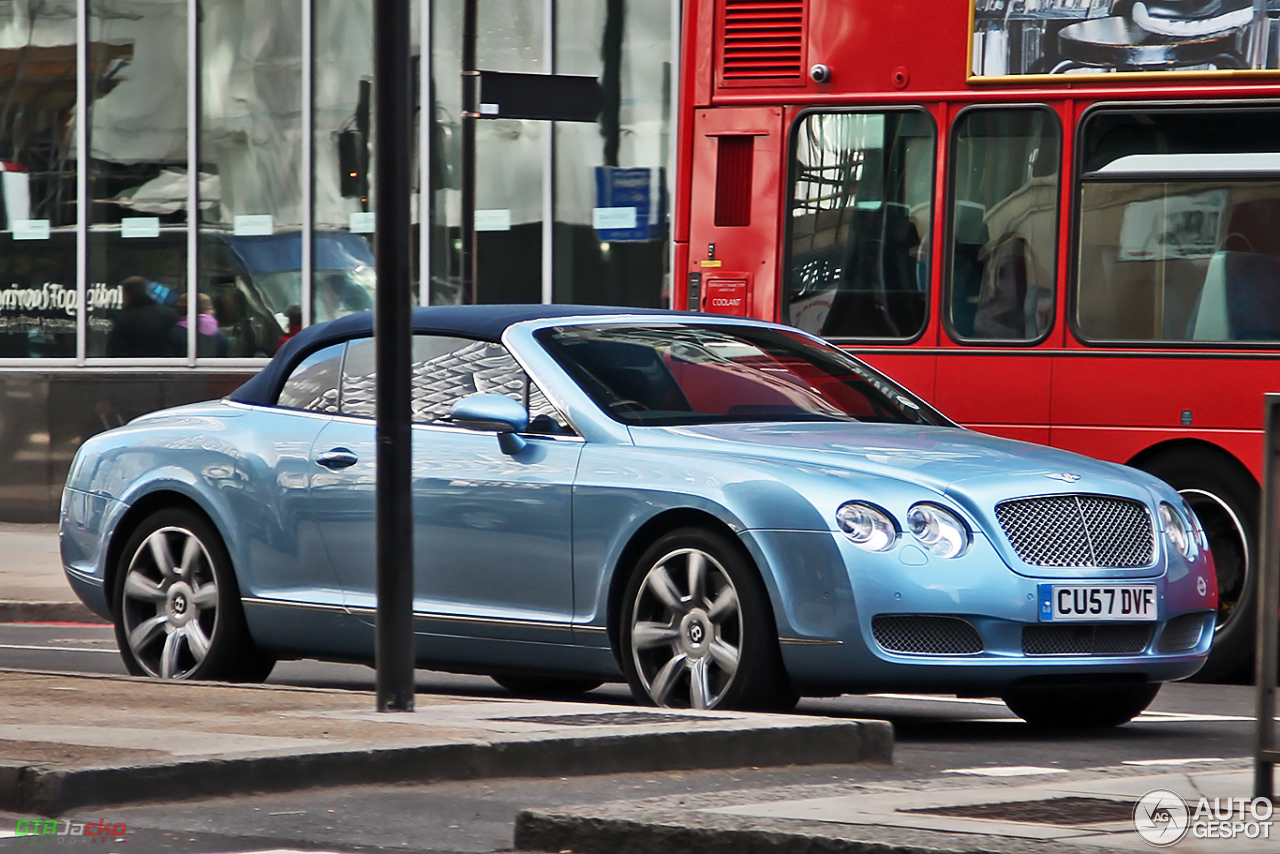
(177,605)
(545,686)
(1226,501)
(1080,706)
(697,629)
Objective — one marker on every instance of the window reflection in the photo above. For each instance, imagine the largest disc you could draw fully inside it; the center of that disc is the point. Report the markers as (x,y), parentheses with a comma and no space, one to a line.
(250,145)
(860,224)
(344,214)
(1180,261)
(313,385)
(611,208)
(1167,250)
(38,176)
(445,370)
(249,199)
(138,177)
(1004,219)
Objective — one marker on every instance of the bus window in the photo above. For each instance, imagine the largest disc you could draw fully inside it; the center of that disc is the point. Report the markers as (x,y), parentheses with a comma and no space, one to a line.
(861,210)
(1179,236)
(1004,221)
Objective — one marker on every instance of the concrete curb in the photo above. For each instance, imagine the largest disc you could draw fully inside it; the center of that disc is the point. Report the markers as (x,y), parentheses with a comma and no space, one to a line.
(47,612)
(51,790)
(593,831)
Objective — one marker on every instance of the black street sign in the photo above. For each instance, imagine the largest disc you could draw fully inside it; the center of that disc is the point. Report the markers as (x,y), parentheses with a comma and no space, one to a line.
(548,97)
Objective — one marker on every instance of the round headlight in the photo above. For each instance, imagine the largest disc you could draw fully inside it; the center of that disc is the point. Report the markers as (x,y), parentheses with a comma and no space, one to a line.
(1175,530)
(1198,536)
(939,530)
(867,525)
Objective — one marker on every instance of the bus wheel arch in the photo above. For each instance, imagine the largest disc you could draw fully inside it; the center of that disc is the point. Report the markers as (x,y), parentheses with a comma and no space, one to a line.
(1226,497)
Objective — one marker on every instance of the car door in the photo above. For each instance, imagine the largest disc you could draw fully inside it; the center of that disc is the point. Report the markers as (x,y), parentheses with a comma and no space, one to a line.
(492,531)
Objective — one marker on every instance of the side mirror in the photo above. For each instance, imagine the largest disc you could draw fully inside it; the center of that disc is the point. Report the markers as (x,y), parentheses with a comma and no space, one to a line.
(495,412)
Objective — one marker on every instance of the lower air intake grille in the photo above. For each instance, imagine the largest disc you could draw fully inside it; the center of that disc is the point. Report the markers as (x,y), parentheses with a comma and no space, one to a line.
(923,635)
(1086,640)
(1181,633)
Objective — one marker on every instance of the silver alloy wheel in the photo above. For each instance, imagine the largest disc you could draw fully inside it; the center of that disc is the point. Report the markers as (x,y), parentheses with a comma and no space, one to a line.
(686,631)
(169,607)
(1229,545)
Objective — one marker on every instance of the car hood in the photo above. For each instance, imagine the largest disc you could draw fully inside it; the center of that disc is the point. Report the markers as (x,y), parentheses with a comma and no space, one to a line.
(950,460)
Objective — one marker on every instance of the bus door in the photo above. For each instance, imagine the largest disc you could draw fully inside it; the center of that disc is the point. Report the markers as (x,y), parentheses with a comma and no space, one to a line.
(995,363)
(733,211)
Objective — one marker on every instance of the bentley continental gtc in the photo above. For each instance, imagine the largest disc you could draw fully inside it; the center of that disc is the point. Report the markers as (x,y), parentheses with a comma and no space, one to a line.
(723,512)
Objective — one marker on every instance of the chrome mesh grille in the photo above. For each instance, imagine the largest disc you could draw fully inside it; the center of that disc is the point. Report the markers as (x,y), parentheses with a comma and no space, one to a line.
(925,635)
(1079,530)
(1125,639)
(1181,633)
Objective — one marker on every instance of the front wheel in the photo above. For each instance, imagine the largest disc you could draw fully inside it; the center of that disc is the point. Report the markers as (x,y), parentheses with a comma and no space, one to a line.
(177,605)
(1080,706)
(696,628)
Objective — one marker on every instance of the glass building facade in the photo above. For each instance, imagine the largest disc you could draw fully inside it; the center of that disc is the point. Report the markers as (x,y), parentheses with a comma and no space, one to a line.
(184,183)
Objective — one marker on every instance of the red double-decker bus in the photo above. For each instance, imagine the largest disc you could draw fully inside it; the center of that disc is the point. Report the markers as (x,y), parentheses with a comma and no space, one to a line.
(1058,220)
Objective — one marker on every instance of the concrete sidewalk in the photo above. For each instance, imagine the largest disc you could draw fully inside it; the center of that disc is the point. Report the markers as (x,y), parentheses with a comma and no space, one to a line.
(73,740)
(33,587)
(1053,812)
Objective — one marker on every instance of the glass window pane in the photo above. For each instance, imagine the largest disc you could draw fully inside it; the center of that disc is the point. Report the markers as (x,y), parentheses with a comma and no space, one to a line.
(38,179)
(1004,218)
(313,385)
(344,279)
(445,370)
(138,178)
(250,181)
(612,192)
(509,159)
(693,374)
(1167,251)
(1179,261)
(861,213)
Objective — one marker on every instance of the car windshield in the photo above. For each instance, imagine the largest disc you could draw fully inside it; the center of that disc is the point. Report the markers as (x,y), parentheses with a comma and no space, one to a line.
(673,374)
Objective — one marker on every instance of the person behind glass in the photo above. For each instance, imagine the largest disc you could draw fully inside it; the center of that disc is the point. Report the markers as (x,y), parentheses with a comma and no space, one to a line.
(294,315)
(142,327)
(209,338)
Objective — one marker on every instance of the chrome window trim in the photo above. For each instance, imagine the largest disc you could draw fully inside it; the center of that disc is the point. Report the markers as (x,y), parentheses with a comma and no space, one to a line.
(360,419)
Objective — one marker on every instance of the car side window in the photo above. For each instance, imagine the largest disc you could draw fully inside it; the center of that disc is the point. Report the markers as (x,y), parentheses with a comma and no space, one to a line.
(445,370)
(313,385)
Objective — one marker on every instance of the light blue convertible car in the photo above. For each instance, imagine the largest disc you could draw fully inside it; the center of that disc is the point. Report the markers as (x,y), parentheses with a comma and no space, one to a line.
(726,512)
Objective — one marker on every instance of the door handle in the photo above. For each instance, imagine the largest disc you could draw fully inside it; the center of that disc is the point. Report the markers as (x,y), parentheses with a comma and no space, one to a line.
(337,458)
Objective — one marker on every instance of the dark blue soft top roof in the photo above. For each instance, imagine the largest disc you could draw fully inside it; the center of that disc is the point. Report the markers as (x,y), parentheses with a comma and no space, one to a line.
(482,322)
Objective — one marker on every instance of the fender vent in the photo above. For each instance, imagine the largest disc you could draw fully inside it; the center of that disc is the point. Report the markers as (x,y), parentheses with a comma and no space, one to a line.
(763,42)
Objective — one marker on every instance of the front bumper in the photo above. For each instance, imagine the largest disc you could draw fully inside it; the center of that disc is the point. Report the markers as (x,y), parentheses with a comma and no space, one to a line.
(827,594)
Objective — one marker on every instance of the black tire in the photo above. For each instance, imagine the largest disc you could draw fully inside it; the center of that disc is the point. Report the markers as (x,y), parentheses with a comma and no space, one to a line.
(1080,706)
(545,686)
(177,605)
(713,647)
(1226,501)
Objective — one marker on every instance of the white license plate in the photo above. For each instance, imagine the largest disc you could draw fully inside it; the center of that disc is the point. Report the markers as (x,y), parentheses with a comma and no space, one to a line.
(1084,602)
